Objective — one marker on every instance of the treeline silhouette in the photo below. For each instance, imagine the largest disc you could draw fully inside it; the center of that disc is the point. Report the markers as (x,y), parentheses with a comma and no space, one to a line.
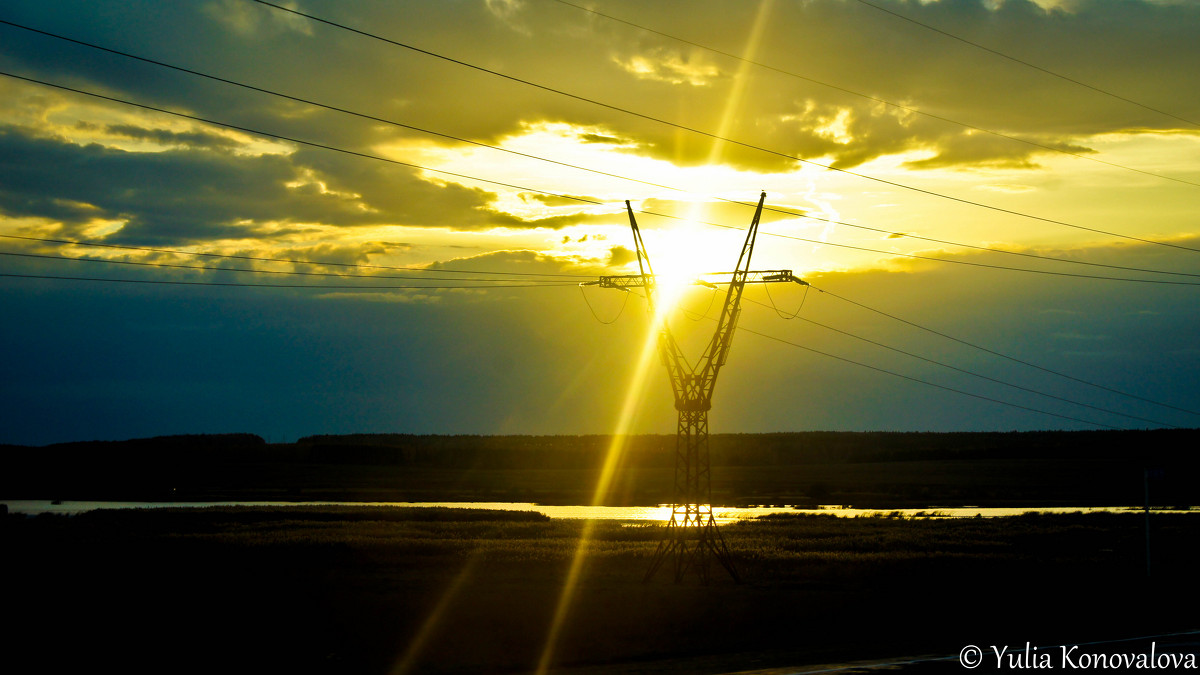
(889,468)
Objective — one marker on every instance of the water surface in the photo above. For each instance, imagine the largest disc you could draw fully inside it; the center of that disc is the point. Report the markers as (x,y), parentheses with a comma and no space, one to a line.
(722,514)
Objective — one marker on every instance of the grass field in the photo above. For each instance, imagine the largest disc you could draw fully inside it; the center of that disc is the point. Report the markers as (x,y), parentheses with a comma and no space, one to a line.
(390,590)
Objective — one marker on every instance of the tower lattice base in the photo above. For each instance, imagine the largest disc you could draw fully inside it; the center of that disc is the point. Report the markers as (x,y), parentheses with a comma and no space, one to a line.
(692,539)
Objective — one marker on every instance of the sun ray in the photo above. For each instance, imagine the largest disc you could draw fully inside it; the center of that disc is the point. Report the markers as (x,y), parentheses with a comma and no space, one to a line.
(738,89)
(406,662)
(647,360)
(669,293)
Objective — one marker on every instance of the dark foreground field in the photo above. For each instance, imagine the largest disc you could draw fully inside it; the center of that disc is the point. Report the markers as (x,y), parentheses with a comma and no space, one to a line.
(391,590)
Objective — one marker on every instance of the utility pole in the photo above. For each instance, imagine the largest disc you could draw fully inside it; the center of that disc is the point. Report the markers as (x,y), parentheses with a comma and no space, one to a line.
(691,539)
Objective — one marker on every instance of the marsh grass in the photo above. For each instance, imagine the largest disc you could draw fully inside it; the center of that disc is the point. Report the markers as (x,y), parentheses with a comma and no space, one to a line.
(345,589)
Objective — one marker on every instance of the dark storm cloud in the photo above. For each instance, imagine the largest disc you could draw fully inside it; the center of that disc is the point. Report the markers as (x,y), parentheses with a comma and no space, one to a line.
(232,192)
(1112,44)
(173,196)
(990,150)
(619,255)
(529,262)
(183,195)
(338,256)
(602,139)
(192,139)
(556,200)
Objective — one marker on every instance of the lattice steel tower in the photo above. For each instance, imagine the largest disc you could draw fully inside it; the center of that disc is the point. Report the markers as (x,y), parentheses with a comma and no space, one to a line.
(692,539)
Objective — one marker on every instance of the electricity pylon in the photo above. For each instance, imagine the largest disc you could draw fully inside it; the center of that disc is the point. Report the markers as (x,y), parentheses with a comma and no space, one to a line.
(692,539)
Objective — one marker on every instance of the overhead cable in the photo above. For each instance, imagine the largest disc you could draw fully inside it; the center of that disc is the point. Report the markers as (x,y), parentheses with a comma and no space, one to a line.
(584,200)
(927,382)
(497,148)
(143,263)
(596,316)
(293,261)
(876,99)
(301,286)
(966,371)
(715,136)
(291,139)
(924,382)
(1004,356)
(1027,63)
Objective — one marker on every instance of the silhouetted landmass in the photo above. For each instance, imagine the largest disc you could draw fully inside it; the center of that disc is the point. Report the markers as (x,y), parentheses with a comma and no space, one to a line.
(384,590)
(883,469)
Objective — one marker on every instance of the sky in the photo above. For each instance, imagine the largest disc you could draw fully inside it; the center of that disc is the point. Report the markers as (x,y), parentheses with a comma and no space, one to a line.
(993,201)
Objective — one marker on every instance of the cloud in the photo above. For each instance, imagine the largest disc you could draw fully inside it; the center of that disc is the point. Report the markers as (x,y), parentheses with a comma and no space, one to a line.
(201,189)
(169,197)
(849,45)
(670,66)
(978,150)
(525,262)
(601,138)
(556,200)
(339,256)
(252,20)
(853,46)
(619,255)
(163,137)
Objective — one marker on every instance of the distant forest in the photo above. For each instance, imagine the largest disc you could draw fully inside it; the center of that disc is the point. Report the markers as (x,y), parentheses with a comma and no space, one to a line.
(893,468)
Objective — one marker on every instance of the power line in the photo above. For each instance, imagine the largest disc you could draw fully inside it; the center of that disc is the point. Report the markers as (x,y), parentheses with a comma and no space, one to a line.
(502,285)
(546,192)
(249,285)
(326,106)
(1027,63)
(142,263)
(596,316)
(919,380)
(290,139)
(345,287)
(565,164)
(966,371)
(969,263)
(322,263)
(933,361)
(876,99)
(714,136)
(989,249)
(926,382)
(496,285)
(1005,356)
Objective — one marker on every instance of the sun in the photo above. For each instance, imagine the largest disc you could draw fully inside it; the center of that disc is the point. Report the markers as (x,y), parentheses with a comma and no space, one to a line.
(686,254)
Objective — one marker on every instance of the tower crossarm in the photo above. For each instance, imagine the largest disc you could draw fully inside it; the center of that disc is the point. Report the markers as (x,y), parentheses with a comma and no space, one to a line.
(756,277)
(710,280)
(622,281)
